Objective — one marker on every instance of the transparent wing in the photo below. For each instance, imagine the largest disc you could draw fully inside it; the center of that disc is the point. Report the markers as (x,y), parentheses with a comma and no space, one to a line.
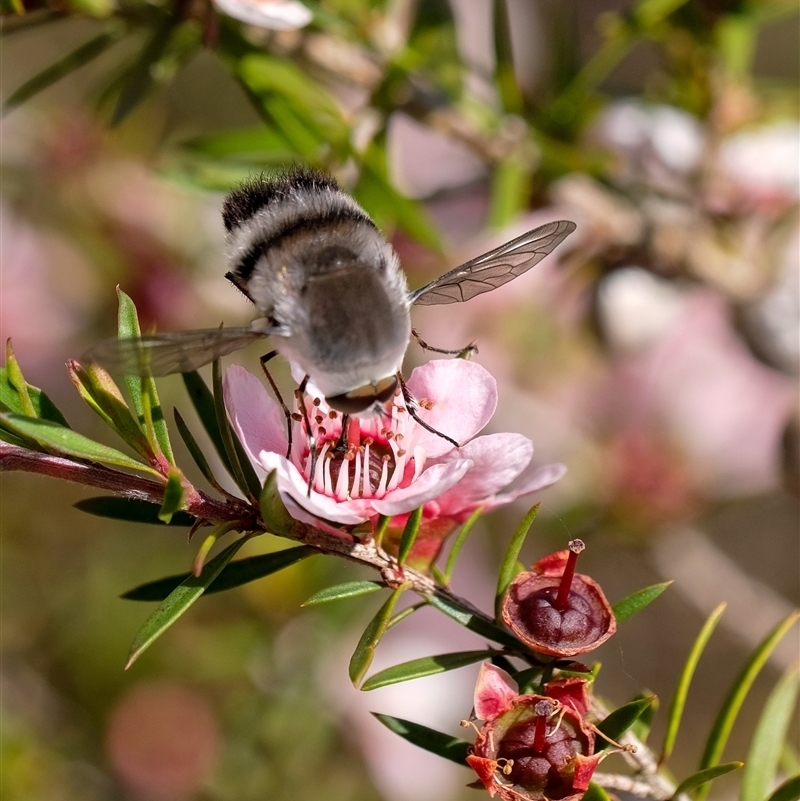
(493,269)
(167,353)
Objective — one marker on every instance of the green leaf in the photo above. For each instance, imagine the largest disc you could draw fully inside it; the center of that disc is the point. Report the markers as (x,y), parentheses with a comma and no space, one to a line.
(595,793)
(761,765)
(131,509)
(473,622)
(732,704)
(203,402)
(98,389)
(141,75)
(57,439)
(620,720)
(678,702)
(704,776)
(64,66)
(409,536)
(437,742)
(237,573)
(256,145)
(788,791)
(349,589)
(273,511)
(404,613)
(195,451)
(458,543)
(173,495)
(365,650)
(31,402)
(426,666)
(508,567)
(143,387)
(179,600)
(505,75)
(243,472)
(634,603)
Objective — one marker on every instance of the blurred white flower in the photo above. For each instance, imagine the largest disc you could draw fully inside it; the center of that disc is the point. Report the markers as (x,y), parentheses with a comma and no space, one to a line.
(765,161)
(280,15)
(639,130)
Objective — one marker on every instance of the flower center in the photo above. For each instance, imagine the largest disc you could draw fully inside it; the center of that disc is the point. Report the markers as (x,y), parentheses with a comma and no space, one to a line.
(365,461)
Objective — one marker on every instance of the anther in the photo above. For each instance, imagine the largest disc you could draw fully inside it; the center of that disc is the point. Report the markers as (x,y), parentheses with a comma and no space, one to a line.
(297,417)
(424,403)
(398,437)
(316,401)
(333,414)
(321,432)
(318,419)
(401,452)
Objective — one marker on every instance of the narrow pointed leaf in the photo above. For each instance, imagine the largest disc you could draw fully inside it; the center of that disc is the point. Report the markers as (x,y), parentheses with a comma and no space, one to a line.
(18,382)
(173,495)
(761,765)
(678,702)
(43,407)
(404,613)
(704,776)
(365,650)
(508,567)
(473,622)
(143,387)
(426,666)
(243,472)
(437,742)
(788,791)
(235,574)
(195,451)
(409,536)
(620,720)
(64,66)
(458,543)
(131,509)
(203,402)
(634,603)
(350,589)
(733,703)
(99,390)
(179,600)
(57,439)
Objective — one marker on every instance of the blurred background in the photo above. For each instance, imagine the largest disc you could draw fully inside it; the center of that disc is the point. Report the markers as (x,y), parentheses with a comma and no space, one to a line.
(656,354)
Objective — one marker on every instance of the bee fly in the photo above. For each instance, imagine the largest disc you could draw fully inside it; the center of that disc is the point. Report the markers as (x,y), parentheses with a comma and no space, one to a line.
(329,289)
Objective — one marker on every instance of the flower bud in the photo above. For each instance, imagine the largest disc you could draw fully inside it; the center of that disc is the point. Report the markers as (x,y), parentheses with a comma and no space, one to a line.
(556,611)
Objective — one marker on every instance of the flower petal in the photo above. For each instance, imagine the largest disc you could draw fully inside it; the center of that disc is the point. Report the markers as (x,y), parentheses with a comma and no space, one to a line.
(291,483)
(540,479)
(497,460)
(255,416)
(464,397)
(280,15)
(433,481)
(494,692)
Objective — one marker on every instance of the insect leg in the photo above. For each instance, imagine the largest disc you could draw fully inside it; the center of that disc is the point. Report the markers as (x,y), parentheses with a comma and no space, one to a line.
(467,352)
(286,413)
(411,405)
(300,393)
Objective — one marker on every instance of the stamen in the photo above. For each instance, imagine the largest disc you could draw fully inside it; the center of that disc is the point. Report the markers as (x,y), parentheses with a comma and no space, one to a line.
(328,458)
(366,489)
(333,414)
(356,491)
(297,417)
(381,491)
(343,482)
(319,478)
(424,403)
(318,419)
(316,401)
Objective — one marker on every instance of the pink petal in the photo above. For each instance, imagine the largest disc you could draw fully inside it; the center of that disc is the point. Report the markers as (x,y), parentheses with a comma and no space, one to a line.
(464,397)
(494,692)
(540,479)
(433,481)
(255,416)
(497,460)
(292,484)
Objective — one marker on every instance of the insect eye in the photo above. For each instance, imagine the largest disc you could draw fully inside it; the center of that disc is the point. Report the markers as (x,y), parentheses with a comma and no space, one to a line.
(353,402)
(361,399)
(385,388)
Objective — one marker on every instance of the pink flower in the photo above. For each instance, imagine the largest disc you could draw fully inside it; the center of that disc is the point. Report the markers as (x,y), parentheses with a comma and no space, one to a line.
(391,465)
